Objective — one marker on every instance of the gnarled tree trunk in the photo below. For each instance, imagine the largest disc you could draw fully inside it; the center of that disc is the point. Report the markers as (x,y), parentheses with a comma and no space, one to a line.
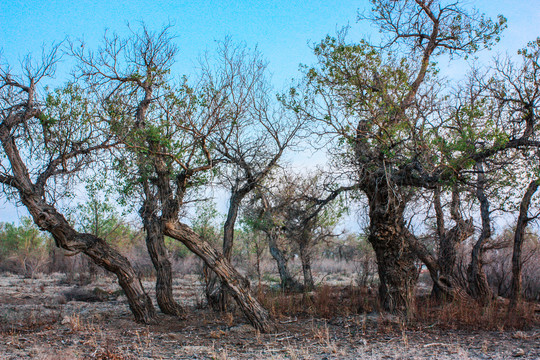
(395,257)
(305,257)
(155,243)
(288,283)
(523,219)
(445,285)
(235,282)
(216,293)
(47,218)
(479,287)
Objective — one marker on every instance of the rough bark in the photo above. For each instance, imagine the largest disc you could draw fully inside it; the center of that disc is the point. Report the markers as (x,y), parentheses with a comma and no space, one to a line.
(155,243)
(478,285)
(305,257)
(523,220)
(288,283)
(235,282)
(49,219)
(395,257)
(216,293)
(228,228)
(445,284)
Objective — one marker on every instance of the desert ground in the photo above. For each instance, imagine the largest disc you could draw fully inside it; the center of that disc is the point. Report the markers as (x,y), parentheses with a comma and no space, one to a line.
(47,317)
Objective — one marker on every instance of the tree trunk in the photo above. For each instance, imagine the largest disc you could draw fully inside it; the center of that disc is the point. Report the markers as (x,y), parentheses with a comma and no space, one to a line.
(236,283)
(395,257)
(228,228)
(216,293)
(47,218)
(288,283)
(446,288)
(523,219)
(155,243)
(445,285)
(478,285)
(305,257)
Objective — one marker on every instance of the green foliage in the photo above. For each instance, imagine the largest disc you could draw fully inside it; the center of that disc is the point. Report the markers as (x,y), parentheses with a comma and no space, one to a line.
(207,222)
(22,240)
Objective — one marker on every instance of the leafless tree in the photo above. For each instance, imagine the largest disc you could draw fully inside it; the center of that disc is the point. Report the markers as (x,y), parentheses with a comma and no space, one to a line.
(252,145)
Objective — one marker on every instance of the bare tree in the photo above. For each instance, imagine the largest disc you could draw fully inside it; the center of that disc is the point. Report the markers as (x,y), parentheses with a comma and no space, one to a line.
(250,146)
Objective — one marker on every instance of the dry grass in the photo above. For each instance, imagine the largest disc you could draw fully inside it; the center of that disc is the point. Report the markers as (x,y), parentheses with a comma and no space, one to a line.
(470,315)
(325,302)
(328,302)
(333,322)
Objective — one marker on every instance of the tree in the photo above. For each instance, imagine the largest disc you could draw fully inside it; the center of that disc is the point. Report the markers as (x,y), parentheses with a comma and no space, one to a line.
(519,235)
(515,86)
(130,78)
(168,131)
(48,141)
(302,210)
(266,217)
(381,103)
(252,145)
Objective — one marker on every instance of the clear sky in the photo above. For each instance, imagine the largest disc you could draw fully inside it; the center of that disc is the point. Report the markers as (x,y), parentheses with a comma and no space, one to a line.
(281,29)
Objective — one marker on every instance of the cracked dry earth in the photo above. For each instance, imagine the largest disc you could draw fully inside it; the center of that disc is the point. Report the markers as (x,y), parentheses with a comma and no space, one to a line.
(44,318)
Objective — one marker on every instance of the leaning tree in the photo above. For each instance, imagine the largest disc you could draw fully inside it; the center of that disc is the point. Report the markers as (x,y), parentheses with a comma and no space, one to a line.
(168,132)
(48,140)
(251,146)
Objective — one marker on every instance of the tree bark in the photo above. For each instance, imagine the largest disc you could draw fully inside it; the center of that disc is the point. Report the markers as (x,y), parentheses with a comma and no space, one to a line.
(305,257)
(47,218)
(395,257)
(396,268)
(445,285)
(216,293)
(523,220)
(235,282)
(288,283)
(478,285)
(155,243)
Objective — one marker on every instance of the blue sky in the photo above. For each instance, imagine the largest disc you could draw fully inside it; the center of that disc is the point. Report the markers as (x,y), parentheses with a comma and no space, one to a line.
(282,30)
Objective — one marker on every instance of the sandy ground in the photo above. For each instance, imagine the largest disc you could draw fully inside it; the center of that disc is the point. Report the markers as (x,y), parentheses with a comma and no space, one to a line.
(44,318)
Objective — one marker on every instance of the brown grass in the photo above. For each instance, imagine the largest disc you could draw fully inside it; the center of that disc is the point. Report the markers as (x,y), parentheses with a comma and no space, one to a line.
(328,302)
(325,302)
(470,315)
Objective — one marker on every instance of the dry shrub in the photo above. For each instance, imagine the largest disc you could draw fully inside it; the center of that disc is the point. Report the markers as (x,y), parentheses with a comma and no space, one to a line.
(190,264)
(110,353)
(326,301)
(470,315)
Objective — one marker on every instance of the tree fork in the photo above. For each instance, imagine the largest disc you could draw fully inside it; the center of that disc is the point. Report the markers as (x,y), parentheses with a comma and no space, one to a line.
(155,244)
